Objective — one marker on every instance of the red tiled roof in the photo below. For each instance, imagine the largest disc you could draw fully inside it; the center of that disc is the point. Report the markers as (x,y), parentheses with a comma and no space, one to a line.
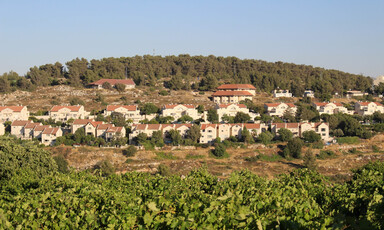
(31,125)
(51,130)
(154,126)
(41,127)
(252,126)
(367,103)
(95,123)
(73,108)
(13,108)
(204,126)
(227,105)
(277,104)
(20,123)
(172,106)
(127,107)
(104,126)
(286,125)
(231,93)
(236,86)
(114,81)
(82,121)
(114,130)
(140,126)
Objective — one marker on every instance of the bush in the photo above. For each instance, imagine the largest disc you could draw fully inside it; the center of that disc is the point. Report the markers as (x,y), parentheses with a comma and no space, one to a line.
(310,160)
(163,92)
(76,101)
(62,163)
(318,145)
(294,146)
(338,133)
(219,150)
(265,137)
(120,87)
(375,149)
(285,134)
(326,154)
(107,85)
(311,136)
(353,151)
(130,151)
(164,170)
(105,167)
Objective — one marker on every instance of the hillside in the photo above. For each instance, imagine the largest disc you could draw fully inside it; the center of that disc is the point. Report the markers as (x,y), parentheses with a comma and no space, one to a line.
(188,72)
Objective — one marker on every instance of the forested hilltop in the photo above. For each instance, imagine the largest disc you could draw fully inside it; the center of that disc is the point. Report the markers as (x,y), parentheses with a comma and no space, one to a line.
(189,72)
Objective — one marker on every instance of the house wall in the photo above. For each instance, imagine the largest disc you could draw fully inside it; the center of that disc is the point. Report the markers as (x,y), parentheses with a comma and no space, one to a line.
(10,115)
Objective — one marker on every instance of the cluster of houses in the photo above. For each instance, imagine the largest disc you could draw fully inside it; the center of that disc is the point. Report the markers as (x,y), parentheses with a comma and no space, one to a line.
(227,98)
(209,132)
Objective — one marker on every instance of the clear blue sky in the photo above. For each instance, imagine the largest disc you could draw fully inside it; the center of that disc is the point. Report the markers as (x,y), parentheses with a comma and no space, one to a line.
(336,34)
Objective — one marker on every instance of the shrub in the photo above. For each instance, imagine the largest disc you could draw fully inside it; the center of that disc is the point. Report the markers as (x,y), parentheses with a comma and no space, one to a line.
(201,93)
(326,154)
(107,85)
(348,140)
(219,150)
(353,151)
(375,149)
(130,151)
(265,137)
(76,101)
(318,145)
(285,134)
(338,133)
(311,136)
(120,87)
(164,170)
(105,167)
(163,92)
(294,146)
(310,160)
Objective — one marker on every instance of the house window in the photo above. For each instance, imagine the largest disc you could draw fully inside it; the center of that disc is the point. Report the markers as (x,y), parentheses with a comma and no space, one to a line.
(323,130)
(209,131)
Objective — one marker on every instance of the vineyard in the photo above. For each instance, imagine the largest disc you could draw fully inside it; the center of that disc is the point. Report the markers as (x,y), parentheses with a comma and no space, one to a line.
(300,200)
(35,193)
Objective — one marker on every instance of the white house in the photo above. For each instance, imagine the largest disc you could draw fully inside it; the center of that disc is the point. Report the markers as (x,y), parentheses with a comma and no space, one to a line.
(368,108)
(309,93)
(279,109)
(232,109)
(281,93)
(329,108)
(129,83)
(17,128)
(355,93)
(225,97)
(238,87)
(64,113)
(320,128)
(130,112)
(178,110)
(208,133)
(13,113)
(49,135)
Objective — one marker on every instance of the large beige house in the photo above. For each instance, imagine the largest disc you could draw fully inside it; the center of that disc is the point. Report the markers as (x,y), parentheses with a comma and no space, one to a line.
(13,113)
(130,112)
(329,108)
(368,108)
(2,129)
(232,109)
(109,131)
(298,129)
(129,83)
(178,110)
(49,135)
(225,97)
(279,109)
(238,87)
(17,128)
(64,113)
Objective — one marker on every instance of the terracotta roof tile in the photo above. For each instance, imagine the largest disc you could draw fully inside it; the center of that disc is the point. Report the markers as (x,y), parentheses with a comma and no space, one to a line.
(82,121)
(127,107)
(231,93)
(41,128)
(172,106)
(227,105)
(73,108)
(13,108)
(20,123)
(236,86)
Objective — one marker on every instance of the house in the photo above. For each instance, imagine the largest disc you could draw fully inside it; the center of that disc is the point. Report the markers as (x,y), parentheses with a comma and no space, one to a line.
(49,135)
(114,132)
(13,113)
(320,128)
(79,123)
(178,110)
(208,133)
(28,130)
(38,130)
(368,108)
(279,109)
(224,131)
(293,127)
(329,108)
(129,83)
(148,129)
(281,93)
(17,128)
(130,112)
(309,93)
(91,127)
(225,97)
(64,113)
(355,93)
(238,87)
(183,129)
(2,129)
(232,110)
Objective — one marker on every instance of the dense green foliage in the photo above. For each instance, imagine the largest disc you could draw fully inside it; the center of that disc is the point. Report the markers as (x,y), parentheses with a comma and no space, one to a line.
(206,72)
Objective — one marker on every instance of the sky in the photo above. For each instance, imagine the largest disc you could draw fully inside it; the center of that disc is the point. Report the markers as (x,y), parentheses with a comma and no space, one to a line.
(346,35)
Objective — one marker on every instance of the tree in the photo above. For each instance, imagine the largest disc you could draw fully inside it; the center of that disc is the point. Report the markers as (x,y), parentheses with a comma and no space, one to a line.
(246,136)
(194,133)
(294,146)
(120,87)
(219,150)
(118,119)
(285,134)
(62,163)
(107,85)
(338,133)
(311,136)
(310,160)
(4,86)
(176,82)
(79,136)
(130,151)
(141,138)
(265,137)
(149,108)
(185,119)
(208,83)
(164,120)
(175,137)
(157,139)
(228,119)
(241,117)
(200,108)
(212,116)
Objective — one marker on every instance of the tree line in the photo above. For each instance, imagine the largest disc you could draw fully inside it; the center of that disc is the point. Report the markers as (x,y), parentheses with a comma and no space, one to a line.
(189,72)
